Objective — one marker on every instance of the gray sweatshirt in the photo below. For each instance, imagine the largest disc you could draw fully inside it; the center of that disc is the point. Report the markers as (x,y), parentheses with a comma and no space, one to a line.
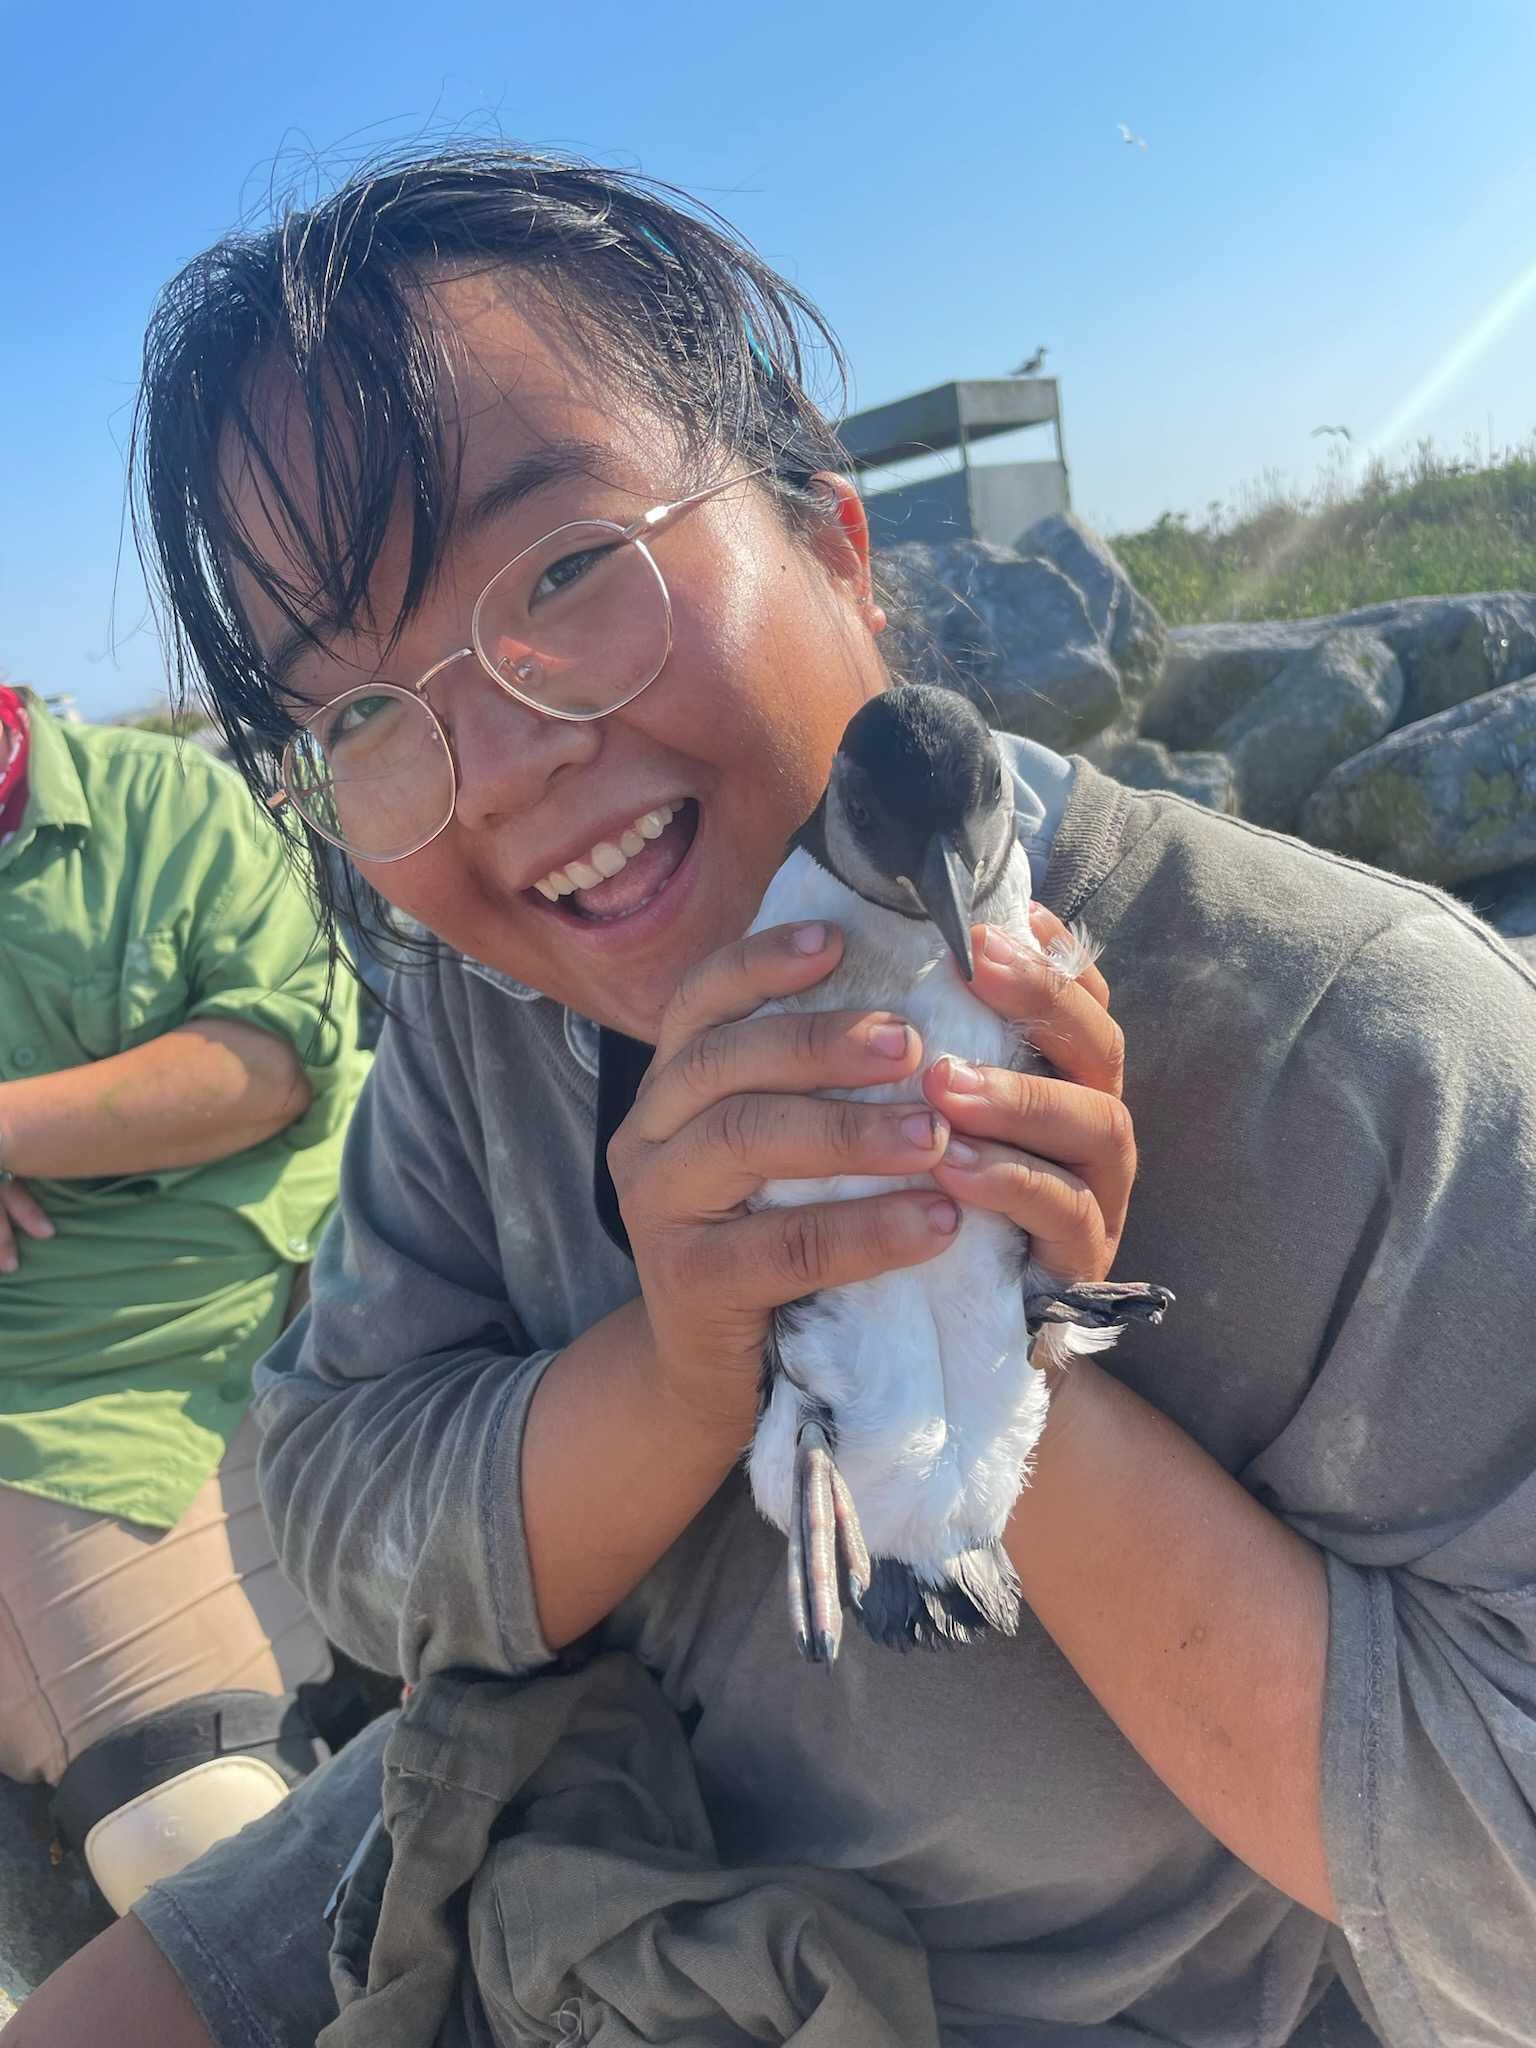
(1333,1078)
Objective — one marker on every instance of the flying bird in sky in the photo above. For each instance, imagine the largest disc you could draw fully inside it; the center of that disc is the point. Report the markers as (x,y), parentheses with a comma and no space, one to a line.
(1131,138)
(900,1414)
(1348,436)
(1031,366)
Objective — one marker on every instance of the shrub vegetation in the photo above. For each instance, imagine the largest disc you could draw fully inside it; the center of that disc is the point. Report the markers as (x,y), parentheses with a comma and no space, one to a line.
(1436,525)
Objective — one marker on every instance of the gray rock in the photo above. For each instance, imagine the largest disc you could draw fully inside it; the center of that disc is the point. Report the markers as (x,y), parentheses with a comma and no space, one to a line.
(1213,671)
(1122,619)
(1102,748)
(1446,800)
(1507,901)
(1327,704)
(1014,635)
(1145,764)
(1454,648)
(1450,650)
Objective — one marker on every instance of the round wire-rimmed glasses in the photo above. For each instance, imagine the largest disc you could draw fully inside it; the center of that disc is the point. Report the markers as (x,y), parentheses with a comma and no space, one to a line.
(575,627)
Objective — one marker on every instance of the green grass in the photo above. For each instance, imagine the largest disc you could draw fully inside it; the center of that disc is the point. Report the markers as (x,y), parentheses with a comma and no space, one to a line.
(1434,526)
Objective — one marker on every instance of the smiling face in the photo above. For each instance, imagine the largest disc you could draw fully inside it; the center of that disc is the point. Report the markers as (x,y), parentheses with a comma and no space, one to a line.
(668,816)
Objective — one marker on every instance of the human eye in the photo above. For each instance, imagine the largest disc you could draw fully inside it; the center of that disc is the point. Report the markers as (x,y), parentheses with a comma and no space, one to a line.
(361,720)
(560,575)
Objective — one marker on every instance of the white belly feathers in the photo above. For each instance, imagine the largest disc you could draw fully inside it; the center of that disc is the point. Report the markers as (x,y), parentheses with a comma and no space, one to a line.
(925,1371)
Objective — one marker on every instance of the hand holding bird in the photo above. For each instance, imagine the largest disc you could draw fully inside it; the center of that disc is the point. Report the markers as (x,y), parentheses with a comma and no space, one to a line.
(731,1101)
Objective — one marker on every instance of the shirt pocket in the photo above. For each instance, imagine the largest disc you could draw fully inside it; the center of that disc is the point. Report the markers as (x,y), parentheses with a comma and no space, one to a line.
(145,995)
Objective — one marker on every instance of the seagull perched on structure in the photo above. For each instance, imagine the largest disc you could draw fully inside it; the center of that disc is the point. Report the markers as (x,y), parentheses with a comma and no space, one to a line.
(1032,365)
(900,1414)
(1348,436)
(1130,137)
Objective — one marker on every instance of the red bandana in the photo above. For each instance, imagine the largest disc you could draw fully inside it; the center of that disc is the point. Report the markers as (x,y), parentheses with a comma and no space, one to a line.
(13,761)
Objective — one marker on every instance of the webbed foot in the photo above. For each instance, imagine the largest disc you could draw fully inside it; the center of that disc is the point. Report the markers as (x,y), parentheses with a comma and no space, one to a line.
(827,1553)
(1098,1305)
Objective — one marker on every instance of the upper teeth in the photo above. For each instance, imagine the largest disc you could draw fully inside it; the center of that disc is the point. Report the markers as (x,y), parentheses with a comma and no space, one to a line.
(607,859)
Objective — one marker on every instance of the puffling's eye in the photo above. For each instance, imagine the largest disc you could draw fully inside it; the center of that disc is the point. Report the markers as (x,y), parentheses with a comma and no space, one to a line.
(858,814)
(997,781)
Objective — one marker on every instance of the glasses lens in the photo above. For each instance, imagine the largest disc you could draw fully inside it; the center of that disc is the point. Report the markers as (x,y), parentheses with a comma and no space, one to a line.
(577,624)
(372,773)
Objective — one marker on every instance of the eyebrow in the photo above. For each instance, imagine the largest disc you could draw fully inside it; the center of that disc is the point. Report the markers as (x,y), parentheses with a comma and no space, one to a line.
(556,462)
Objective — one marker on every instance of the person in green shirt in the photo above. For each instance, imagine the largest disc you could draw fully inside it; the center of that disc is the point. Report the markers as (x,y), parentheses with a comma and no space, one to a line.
(177,1071)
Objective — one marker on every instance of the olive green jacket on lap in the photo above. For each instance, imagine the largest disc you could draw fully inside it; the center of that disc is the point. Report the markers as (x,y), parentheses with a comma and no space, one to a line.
(1333,1077)
(144,891)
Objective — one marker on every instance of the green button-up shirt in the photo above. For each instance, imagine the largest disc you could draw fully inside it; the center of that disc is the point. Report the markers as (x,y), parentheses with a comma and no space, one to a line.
(141,891)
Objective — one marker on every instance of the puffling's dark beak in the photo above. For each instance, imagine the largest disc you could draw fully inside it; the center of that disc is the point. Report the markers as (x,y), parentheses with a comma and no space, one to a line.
(946,887)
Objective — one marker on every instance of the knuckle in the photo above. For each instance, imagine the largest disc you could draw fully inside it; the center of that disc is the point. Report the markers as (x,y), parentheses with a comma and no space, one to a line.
(1031,1094)
(844,1124)
(686,997)
(1119,1128)
(804,1245)
(736,1125)
(807,1036)
(1081,1212)
(706,1062)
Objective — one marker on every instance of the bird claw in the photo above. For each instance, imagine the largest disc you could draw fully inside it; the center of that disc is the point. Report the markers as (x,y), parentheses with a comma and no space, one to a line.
(1098,1304)
(827,1551)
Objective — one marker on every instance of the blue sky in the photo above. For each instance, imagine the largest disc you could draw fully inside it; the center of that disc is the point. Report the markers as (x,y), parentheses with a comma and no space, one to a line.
(1332,220)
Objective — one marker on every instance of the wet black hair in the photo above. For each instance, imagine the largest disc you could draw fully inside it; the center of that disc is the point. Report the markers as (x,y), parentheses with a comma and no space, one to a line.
(668,303)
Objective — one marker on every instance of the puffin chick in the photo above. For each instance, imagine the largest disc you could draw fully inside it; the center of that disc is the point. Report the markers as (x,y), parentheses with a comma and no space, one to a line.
(899,1415)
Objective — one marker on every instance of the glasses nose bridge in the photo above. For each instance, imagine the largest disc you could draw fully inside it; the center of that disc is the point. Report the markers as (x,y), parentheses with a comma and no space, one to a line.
(480,667)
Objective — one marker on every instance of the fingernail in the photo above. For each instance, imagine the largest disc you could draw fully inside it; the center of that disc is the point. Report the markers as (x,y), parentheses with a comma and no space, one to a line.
(889,1039)
(999,947)
(923,1129)
(809,938)
(958,1153)
(944,1218)
(961,1077)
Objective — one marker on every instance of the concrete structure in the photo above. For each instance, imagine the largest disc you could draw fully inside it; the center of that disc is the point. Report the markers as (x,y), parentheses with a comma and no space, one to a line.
(991,501)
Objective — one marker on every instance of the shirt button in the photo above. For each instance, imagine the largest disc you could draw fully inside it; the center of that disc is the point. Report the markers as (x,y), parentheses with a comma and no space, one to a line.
(23,1058)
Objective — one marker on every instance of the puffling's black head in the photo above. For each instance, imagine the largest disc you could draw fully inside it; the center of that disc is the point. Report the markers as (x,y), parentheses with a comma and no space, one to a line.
(918,814)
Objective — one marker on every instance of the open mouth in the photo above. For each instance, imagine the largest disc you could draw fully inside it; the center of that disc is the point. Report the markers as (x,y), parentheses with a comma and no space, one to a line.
(619,878)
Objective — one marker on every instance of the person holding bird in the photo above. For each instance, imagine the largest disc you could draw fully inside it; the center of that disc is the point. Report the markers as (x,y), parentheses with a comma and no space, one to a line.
(507,544)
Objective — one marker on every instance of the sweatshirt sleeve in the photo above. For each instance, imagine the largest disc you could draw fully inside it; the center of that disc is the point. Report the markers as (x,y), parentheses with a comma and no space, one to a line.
(392,1411)
(1412,1464)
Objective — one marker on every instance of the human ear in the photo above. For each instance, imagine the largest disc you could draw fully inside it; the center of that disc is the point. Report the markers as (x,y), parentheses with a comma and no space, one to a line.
(841,542)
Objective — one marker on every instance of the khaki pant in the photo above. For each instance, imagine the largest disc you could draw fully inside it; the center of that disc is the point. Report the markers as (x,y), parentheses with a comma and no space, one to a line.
(103,1621)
